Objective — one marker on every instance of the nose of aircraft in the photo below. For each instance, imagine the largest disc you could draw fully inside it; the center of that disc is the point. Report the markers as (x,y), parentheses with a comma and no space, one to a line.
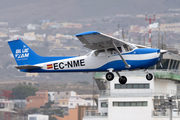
(149,56)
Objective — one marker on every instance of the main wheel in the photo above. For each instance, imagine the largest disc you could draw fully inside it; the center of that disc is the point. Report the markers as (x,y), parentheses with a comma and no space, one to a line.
(149,76)
(109,76)
(122,80)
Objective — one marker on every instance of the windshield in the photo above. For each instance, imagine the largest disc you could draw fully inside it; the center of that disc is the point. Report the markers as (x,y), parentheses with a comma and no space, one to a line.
(129,47)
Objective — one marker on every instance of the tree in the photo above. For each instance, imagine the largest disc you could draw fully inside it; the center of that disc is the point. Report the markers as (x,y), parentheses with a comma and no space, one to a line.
(23,91)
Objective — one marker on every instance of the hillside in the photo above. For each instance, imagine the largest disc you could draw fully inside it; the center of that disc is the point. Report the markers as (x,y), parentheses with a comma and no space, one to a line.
(31,11)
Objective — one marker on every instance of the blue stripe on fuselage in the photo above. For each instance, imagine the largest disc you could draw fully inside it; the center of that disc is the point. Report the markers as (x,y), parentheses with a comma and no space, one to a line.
(117,65)
(142,51)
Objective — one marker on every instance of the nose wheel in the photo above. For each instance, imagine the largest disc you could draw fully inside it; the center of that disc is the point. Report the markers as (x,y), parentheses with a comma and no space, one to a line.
(149,76)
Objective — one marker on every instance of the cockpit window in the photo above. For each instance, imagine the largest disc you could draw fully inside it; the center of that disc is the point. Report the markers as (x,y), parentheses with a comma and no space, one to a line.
(112,51)
(128,47)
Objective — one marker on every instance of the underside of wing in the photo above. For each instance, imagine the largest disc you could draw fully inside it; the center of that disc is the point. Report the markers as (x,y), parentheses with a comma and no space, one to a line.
(28,67)
(96,40)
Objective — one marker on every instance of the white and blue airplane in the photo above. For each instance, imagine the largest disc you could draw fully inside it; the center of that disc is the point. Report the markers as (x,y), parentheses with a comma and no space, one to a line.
(108,54)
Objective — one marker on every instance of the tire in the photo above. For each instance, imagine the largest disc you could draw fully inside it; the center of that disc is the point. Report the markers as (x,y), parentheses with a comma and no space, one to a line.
(122,80)
(149,76)
(109,76)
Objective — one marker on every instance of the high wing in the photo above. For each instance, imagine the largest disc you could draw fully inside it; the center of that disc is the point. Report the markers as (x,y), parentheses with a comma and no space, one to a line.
(96,40)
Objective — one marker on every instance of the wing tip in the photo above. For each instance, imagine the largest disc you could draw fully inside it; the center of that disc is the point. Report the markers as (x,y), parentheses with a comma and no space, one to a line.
(87,33)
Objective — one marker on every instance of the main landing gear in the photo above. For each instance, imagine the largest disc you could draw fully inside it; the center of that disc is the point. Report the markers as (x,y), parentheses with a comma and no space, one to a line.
(110,77)
(123,79)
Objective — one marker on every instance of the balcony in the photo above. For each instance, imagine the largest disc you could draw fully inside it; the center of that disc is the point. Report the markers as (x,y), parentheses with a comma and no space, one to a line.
(135,93)
(165,113)
(167,74)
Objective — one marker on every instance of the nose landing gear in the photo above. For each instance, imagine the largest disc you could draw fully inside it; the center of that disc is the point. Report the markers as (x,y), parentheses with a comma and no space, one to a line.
(149,76)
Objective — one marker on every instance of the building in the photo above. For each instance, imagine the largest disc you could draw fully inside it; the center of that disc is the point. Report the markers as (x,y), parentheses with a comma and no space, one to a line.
(77,101)
(31,74)
(39,38)
(40,99)
(76,113)
(63,103)
(31,27)
(38,117)
(20,104)
(140,99)
(63,95)
(29,34)
(51,96)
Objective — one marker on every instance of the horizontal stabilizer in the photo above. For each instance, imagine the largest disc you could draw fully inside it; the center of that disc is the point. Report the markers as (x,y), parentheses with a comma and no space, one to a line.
(28,67)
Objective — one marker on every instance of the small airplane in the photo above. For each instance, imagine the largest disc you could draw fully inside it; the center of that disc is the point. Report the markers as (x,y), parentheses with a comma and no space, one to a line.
(108,54)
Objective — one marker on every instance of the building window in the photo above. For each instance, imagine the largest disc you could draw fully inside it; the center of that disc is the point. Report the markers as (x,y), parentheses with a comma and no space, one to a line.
(31,100)
(77,104)
(71,104)
(104,104)
(66,93)
(89,104)
(128,104)
(63,103)
(32,118)
(132,86)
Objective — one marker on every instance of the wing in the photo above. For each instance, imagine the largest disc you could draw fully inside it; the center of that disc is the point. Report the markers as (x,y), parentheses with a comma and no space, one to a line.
(96,40)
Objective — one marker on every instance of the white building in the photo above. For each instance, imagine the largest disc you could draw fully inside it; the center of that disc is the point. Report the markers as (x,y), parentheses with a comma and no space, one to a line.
(76,101)
(51,96)
(63,95)
(140,99)
(38,117)
(31,27)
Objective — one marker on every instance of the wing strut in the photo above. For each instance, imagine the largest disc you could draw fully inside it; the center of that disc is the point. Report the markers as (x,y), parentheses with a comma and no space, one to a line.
(127,65)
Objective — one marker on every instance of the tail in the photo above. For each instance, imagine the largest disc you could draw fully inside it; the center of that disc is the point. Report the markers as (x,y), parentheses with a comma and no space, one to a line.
(23,54)
(26,58)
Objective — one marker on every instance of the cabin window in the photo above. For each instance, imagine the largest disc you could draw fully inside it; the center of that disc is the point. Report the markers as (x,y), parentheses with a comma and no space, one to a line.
(127,48)
(100,53)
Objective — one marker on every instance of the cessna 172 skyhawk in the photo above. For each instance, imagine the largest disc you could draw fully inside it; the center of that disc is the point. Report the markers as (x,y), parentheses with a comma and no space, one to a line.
(108,54)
